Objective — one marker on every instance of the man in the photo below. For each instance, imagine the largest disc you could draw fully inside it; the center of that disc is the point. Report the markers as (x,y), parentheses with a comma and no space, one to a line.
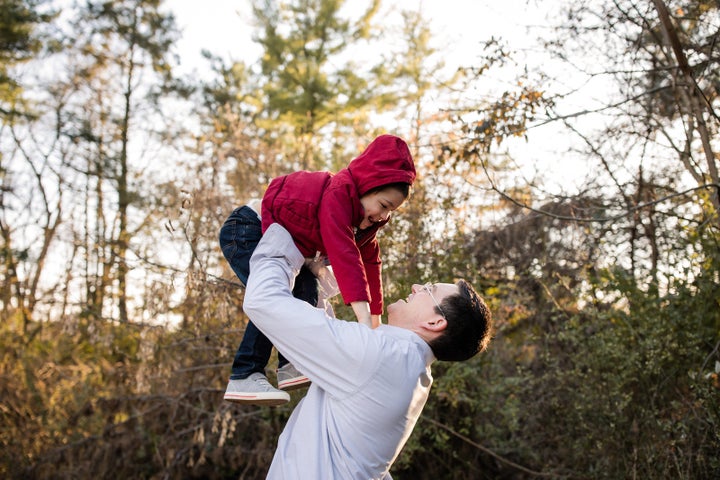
(369,386)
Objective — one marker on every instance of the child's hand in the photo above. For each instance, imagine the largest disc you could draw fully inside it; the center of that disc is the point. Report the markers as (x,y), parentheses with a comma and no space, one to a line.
(362,312)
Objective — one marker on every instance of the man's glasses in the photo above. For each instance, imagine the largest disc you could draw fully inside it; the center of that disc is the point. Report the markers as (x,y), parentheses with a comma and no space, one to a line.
(428,288)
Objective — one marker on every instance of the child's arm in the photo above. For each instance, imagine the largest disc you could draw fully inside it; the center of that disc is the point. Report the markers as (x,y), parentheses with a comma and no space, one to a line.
(362,312)
(347,259)
(371,261)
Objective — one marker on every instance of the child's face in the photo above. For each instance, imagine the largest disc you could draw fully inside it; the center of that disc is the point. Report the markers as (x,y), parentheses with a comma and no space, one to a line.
(379,204)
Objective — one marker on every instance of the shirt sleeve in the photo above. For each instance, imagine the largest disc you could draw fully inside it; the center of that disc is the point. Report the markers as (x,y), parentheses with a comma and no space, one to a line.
(294,326)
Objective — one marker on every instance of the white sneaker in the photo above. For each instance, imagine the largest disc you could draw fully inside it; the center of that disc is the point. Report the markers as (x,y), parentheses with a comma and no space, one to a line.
(255,390)
(289,378)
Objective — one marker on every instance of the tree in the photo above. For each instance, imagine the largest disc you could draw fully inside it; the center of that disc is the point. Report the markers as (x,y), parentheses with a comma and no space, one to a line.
(591,276)
(309,86)
(660,110)
(122,51)
(694,96)
(19,42)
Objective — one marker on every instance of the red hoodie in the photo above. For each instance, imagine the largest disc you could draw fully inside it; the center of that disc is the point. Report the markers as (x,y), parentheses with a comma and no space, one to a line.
(322,212)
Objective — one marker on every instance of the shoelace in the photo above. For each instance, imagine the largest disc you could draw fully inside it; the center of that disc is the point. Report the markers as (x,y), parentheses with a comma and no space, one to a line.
(262,381)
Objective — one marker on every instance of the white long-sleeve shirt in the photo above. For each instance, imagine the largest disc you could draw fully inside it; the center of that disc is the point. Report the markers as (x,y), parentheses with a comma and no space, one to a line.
(368,386)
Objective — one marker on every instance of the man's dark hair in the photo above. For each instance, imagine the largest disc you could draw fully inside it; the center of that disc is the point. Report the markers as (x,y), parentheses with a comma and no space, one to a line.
(469,323)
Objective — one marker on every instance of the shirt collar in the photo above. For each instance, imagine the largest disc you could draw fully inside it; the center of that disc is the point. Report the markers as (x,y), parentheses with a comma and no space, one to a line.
(405,334)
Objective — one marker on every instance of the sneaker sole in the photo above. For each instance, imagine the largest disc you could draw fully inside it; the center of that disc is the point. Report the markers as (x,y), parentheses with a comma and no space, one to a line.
(294,383)
(255,400)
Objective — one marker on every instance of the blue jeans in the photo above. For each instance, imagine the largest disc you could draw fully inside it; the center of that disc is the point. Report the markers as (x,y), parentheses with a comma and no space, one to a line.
(239,236)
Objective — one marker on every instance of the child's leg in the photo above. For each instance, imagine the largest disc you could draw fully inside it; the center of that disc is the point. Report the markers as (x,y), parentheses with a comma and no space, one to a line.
(306,288)
(239,236)
(252,355)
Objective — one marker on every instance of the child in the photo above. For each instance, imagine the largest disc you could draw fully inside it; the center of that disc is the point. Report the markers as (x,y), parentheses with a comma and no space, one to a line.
(331,215)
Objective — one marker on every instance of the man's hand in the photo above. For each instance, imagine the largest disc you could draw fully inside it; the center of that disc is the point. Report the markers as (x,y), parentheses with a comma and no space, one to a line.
(316,264)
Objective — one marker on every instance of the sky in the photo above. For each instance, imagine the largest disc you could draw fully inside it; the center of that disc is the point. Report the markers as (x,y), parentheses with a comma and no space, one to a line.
(224,26)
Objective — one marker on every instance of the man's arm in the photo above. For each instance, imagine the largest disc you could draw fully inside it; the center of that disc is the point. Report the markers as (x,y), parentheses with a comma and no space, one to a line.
(268,296)
(316,344)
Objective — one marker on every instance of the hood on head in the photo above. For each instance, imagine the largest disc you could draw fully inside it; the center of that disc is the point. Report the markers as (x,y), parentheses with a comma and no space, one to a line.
(386,160)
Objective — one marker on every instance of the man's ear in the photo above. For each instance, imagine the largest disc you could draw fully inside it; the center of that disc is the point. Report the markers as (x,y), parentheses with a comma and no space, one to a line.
(437,325)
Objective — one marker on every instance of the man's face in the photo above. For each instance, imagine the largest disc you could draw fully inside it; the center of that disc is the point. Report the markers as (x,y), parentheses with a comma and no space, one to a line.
(419,306)
(378,205)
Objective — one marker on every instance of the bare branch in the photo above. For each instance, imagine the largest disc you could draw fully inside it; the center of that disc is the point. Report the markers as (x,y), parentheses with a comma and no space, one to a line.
(626,213)
(490,452)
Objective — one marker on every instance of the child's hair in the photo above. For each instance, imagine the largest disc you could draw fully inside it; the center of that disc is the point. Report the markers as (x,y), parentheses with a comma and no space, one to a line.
(401,187)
